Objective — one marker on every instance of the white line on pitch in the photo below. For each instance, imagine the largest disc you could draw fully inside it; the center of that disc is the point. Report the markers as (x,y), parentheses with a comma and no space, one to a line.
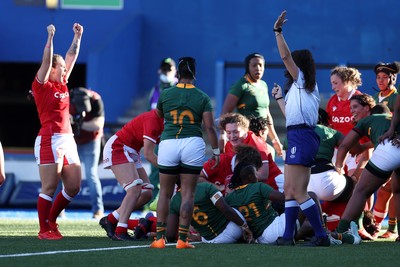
(76,251)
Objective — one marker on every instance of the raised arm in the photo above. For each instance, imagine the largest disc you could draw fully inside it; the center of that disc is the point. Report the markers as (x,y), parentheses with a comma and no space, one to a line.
(283,47)
(73,51)
(45,68)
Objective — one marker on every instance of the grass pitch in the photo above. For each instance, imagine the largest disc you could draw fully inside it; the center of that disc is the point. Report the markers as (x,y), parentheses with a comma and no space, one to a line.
(85,244)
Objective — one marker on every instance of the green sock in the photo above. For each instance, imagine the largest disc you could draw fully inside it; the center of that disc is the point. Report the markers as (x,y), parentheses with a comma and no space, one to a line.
(392,225)
(398,225)
(343,226)
(183,232)
(161,229)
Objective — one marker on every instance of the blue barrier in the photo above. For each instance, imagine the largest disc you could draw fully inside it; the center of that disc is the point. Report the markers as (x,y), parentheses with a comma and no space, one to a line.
(6,189)
(26,193)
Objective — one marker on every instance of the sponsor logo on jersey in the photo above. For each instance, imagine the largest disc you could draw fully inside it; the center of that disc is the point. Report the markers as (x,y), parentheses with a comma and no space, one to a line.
(61,95)
(341,119)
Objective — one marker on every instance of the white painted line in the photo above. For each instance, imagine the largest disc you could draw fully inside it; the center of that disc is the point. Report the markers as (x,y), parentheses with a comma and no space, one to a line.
(78,250)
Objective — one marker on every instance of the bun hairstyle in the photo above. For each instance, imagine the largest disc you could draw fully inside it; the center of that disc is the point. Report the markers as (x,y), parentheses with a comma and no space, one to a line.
(258,124)
(248,58)
(187,68)
(240,174)
(391,69)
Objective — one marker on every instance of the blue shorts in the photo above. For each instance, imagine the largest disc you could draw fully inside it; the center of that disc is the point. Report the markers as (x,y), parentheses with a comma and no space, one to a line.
(303,144)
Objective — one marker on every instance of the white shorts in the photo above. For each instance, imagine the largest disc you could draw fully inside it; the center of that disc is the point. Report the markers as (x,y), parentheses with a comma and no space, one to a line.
(386,157)
(351,161)
(58,148)
(115,152)
(273,231)
(327,185)
(280,181)
(186,151)
(231,234)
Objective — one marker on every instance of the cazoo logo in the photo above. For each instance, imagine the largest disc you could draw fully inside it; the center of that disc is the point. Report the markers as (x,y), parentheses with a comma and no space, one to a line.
(341,119)
(61,95)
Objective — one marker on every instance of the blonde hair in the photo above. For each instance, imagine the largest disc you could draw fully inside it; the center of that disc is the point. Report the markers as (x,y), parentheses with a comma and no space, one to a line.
(348,75)
(241,120)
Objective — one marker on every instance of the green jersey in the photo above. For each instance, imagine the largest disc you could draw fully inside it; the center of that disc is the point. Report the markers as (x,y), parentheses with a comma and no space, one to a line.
(183,106)
(389,100)
(329,138)
(374,126)
(207,219)
(252,200)
(253,97)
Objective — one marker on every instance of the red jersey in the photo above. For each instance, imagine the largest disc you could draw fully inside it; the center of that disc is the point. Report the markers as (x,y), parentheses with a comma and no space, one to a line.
(339,113)
(147,125)
(266,156)
(52,105)
(218,174)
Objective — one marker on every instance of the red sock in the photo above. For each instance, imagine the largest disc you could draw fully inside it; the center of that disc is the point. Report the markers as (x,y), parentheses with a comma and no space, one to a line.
(132,224)
(43,208)
(121,230)
(59,204)
(153,227)
(112,219)
(379,215)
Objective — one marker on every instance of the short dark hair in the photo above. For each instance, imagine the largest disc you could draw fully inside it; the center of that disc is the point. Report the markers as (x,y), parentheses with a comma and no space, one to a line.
(364,100)
(249,57)
(380,108)
(187,68)
(258,124)
(249,154)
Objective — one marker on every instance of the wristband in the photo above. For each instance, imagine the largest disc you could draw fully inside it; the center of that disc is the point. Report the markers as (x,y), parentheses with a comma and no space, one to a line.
(216,151)
(277,30)
(278,98)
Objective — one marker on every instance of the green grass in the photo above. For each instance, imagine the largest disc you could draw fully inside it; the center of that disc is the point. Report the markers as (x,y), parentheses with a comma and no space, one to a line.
(82,238)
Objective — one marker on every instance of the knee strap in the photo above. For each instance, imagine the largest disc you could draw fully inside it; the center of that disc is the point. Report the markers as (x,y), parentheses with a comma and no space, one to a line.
(147,187)
(132,184)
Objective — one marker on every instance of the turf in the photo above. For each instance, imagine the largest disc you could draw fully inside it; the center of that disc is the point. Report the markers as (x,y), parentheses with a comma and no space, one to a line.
(85,244)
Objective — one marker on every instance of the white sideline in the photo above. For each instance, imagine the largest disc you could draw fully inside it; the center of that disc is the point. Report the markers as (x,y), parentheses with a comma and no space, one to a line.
(78,250)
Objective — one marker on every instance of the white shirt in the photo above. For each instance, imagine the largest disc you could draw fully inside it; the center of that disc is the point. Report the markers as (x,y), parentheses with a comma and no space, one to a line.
(301,107)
